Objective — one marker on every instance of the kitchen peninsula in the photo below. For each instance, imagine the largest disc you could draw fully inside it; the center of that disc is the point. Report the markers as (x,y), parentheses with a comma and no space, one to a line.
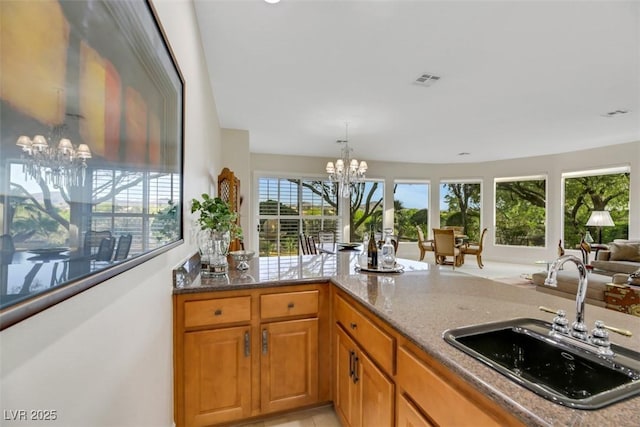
(406,312)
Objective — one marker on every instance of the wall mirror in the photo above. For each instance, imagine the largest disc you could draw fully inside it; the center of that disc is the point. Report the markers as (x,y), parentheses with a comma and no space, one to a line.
(91,147)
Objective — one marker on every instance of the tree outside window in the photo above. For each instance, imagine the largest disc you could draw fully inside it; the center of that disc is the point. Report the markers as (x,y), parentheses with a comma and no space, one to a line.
(460,206)
(410,209)
(520,211)
(366,208)
(585,192)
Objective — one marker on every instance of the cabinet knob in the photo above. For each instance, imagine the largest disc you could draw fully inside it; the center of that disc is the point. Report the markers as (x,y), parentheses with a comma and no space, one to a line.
(290,305)
(353,325)
(218,312)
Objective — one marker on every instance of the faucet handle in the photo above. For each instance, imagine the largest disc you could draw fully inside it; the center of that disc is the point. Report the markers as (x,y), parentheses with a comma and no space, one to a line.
(620,331)
(600,337)
(548,310)
(560,322)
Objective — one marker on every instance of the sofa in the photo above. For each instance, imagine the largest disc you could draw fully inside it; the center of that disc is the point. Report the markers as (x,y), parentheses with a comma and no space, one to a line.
(613,265)
(622,256)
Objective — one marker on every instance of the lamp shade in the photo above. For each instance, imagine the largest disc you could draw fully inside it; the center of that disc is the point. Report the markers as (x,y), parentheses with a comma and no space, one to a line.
(600,219)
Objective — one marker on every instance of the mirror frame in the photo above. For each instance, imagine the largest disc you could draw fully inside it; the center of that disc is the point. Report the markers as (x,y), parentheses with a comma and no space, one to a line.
(141,27)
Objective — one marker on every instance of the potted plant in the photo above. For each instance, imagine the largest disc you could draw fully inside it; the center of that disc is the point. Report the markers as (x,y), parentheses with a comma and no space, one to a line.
(218,225)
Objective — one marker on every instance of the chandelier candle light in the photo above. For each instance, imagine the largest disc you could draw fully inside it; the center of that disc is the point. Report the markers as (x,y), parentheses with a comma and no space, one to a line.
(58,165)
(346,171)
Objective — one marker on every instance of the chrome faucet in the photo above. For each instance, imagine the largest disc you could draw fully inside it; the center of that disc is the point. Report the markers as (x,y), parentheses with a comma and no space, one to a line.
(578,328)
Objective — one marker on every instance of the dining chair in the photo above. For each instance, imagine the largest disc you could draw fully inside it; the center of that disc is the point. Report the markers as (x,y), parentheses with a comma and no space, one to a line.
(475,248)
(423,245)
(457,229)
(444,244)
(92,241)
(105,250)
(123,247)
(307,245)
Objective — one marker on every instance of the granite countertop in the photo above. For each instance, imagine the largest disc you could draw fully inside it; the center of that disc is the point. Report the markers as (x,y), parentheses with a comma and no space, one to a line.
(276,271)
(423,302)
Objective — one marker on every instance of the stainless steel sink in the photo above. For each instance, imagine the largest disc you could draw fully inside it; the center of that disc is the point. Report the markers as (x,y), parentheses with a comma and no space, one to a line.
(524,351)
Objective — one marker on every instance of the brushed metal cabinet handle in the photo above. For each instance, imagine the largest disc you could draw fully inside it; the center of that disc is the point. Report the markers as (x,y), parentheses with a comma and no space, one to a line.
(247,344)
(351,356)
(356,362)
(265,345)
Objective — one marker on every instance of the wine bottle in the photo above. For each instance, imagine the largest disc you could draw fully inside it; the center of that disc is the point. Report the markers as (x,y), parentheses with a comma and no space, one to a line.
(372,255)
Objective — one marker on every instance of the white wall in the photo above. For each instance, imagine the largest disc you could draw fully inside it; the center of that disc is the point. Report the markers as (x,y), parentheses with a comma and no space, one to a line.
(235,156)
(552,166)
(104,357)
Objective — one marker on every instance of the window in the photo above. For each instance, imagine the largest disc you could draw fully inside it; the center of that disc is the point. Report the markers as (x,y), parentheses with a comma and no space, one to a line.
(520,211)
(460,206)
(37,215)
(142,204)
(290,206)
(410,208)
(597,190)
(366,208)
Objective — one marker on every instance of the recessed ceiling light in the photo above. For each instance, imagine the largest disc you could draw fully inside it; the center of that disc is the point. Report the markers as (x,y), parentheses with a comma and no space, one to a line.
(615,113)
(272,1)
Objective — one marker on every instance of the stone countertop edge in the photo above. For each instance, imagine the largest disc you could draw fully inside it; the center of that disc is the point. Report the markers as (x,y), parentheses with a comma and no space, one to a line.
(425,304)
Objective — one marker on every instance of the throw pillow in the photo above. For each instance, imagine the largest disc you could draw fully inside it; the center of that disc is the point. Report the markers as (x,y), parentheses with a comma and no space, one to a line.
(625,252)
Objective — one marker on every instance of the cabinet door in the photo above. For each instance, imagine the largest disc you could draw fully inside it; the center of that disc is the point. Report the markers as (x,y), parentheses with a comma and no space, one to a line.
(347,395)
(217,375)
(377,394)
(409,416)
(364,395)
(289,364)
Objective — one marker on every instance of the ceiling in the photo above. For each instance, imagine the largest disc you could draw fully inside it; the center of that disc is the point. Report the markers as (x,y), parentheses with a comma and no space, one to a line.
(517,79)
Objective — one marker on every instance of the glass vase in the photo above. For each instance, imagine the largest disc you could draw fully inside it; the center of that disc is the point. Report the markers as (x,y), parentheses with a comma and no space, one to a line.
(214,248)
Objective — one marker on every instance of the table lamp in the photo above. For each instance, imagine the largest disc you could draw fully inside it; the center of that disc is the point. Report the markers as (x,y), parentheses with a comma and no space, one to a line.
(600,219)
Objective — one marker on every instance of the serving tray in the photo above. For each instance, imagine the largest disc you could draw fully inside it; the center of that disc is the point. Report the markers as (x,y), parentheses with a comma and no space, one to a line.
(399,268)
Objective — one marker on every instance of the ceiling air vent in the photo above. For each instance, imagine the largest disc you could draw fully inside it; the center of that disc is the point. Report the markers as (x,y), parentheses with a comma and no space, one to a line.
(426,79)
(615,113)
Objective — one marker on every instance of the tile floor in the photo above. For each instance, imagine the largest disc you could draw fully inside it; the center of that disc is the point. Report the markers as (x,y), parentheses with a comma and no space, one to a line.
(318,417)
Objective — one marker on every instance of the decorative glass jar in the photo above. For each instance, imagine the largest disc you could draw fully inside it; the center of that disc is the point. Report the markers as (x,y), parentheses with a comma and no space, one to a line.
(214,248)
(388,252)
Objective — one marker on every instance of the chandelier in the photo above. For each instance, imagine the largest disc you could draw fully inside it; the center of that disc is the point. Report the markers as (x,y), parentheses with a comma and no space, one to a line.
(346,171)
(60,164)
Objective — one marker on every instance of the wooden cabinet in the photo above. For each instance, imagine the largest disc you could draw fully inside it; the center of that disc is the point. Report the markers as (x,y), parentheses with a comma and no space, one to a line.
(247,353)
(441,395)
(409,415)
(241,354)
(364,394)
(382,379)
(379,344)
(217,376)
(289,365)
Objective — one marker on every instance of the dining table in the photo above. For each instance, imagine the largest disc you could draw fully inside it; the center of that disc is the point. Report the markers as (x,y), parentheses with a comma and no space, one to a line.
(26,273)
(332,248)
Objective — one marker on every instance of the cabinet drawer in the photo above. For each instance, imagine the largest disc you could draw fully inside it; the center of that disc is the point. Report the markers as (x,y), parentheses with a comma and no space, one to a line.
(289,304)
(435,395)
(377,343)
(218,311)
